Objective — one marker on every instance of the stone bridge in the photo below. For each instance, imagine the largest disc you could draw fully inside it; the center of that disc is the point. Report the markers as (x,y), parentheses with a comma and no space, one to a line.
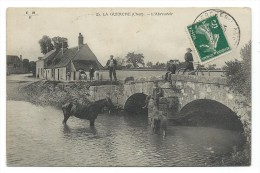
(187,94)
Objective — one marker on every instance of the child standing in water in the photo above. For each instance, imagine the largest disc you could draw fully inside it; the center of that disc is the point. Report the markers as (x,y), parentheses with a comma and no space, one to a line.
(157,93)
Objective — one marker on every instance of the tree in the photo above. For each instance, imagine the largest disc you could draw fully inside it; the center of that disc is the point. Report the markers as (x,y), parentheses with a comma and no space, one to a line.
(60,42)
(26,64)
(46,44)
(149,64)
(176,61)
(120,63)
(128,66)
(33,68)
(135,59)
(159,65)
(239,72)
(212,67)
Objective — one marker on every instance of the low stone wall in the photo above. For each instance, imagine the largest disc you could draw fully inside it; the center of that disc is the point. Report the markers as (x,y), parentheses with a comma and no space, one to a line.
(115,92)
(120,93)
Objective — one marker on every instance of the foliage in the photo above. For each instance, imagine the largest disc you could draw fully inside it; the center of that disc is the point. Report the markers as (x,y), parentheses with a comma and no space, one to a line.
(181,65)
(159,65)
(135,59)
(239,72)
(46,44)
(128,66)
(26,64)
(56,93)
(212,67)
(176,61)
(149,64)
(120,63)
(33,67)
(60,42)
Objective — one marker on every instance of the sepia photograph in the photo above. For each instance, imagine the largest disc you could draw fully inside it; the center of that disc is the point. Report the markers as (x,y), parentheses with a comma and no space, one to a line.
(128,87)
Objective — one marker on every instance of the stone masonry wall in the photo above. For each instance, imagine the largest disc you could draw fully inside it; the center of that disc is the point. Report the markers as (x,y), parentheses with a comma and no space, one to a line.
(190,88)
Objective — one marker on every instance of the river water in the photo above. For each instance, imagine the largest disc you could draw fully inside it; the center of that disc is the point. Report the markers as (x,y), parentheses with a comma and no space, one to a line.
(36,137)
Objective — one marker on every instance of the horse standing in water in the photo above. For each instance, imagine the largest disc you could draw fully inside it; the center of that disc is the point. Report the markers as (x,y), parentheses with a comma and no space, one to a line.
(89,112)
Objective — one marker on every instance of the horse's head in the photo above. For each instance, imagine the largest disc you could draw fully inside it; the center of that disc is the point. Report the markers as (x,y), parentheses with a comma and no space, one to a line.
(109,104)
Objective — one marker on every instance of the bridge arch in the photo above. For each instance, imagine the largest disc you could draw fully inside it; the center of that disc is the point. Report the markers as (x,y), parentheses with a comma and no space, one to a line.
(135,103)
(207,112)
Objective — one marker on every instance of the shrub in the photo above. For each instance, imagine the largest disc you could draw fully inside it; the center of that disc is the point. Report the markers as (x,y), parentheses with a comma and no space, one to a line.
(239,72)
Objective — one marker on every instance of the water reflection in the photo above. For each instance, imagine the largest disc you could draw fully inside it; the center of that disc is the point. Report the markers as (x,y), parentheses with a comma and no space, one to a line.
(138,120)
(81,132)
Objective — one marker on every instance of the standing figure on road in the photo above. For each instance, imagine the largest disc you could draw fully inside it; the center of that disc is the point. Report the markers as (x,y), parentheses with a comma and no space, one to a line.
(91,73)
(189,60)
(171,69)
(111,63)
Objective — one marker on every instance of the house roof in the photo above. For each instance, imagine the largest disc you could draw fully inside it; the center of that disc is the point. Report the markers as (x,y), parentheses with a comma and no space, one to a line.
(11,59)
(82,58)
(85,65)
(47,55)
(62,59)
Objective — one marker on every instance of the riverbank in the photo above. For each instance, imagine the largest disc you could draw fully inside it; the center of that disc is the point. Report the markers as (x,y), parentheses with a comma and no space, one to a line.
(51,93)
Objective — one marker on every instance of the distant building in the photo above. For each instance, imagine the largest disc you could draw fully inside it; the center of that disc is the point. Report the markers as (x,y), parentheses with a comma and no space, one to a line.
(67,64)
(43,62)
(14,64)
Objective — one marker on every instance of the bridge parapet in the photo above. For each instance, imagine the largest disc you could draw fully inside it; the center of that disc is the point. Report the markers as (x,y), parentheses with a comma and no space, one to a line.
(200,79)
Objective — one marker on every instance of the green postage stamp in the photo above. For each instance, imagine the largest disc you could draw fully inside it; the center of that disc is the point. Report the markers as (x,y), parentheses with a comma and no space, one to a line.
(209,39)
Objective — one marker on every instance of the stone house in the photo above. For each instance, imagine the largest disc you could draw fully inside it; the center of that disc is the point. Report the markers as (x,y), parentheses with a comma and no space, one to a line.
(14,64)
(67,64)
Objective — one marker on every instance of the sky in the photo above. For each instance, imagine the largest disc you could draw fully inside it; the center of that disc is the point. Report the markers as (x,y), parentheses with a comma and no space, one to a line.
(159,38)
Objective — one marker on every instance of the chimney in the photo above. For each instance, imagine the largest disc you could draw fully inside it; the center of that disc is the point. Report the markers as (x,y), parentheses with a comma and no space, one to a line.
(21,57)
(80,40)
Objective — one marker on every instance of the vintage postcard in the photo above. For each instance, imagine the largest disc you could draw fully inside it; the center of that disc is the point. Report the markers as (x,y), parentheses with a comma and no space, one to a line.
(144,87)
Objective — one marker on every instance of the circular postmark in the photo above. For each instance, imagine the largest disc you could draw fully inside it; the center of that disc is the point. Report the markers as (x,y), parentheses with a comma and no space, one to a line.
(228,23)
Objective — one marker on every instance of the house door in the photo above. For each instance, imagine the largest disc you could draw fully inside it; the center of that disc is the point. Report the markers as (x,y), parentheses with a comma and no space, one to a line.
(58,74)
(53,74)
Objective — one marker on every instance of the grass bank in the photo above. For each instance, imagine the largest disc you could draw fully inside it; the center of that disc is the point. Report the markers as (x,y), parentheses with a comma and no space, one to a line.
(51,93)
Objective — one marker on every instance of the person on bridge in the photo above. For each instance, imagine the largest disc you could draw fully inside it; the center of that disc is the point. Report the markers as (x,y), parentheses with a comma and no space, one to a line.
(111,64)
(189,60)
(171,69)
